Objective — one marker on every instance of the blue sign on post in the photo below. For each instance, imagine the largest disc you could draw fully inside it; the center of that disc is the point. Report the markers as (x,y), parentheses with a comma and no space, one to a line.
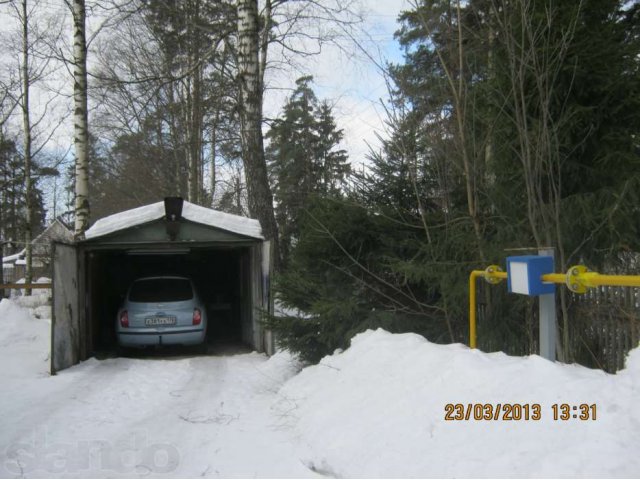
(524,274)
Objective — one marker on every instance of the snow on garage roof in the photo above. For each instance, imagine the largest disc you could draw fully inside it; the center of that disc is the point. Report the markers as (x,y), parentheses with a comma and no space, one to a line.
(194,213)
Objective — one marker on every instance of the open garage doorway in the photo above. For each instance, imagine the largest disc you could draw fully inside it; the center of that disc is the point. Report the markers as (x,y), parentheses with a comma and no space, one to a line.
(225,256)
(220,275)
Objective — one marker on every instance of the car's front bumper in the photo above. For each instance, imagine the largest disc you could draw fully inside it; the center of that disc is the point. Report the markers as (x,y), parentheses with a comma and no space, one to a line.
(178,337)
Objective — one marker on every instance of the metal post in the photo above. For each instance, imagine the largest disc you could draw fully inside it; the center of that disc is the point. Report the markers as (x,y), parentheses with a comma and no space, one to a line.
(548,322)
(472,307)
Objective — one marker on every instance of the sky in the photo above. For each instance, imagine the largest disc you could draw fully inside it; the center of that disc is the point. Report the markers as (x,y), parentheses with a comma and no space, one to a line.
(343,75)
(350,81)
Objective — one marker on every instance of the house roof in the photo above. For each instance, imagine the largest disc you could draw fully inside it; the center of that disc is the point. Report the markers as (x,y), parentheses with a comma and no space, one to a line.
(56,230)
(191,212)
(13,258)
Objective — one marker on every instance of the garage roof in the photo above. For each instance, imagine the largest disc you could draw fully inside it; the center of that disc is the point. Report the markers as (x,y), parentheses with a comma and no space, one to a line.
(194,213)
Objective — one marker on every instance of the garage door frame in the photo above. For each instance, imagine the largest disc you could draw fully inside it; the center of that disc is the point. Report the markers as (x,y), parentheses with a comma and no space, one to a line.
(71,326)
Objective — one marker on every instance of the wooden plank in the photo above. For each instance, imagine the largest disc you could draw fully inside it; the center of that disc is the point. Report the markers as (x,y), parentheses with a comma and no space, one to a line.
(25,285)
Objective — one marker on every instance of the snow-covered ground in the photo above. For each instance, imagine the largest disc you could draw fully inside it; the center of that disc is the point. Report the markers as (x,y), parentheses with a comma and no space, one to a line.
(375,410)
(187,417)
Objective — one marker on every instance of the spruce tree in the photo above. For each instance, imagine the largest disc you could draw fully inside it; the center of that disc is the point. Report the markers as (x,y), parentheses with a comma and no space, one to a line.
(304,159)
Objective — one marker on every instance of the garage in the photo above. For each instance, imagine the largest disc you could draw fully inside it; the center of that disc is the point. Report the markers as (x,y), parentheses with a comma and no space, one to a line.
(225,255)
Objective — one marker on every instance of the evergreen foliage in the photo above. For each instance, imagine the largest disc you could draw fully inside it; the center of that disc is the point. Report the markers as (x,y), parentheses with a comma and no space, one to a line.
(12,197)
(304,158)
(514,124)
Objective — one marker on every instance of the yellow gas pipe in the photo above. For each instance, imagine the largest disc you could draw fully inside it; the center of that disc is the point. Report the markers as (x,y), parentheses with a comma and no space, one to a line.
(493,274)
(578,279)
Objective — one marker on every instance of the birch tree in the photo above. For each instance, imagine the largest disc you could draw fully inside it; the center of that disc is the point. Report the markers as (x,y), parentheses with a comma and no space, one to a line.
(80,117)
(26,123)
(250,108)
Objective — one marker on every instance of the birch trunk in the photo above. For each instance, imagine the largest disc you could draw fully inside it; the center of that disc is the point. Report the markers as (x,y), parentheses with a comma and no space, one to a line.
(80,117)
(214,139)
(214,130)
(27,147)
(187,116)
(1,243)
(194,113)
(3,202)
(195,138)
(255,168)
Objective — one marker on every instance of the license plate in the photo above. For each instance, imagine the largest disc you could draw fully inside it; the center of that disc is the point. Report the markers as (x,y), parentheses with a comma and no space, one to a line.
(156,321)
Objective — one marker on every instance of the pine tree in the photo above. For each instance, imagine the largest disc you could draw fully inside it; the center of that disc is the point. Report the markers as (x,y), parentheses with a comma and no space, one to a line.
(13,197)
(304,158)
(183,30)
(332,162)
(11,182)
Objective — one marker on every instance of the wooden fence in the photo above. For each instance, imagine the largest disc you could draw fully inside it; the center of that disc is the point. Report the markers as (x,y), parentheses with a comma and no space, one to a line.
(604,324)
(24,285)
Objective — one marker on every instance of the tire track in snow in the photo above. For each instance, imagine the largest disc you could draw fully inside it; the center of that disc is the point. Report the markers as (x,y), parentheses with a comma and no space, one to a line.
(214,411)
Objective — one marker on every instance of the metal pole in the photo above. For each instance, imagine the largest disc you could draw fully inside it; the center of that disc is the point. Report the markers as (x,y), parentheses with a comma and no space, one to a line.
(493,275)
(548,321)
(472,307)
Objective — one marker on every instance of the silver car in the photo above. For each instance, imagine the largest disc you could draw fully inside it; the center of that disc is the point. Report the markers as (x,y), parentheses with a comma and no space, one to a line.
(161,311)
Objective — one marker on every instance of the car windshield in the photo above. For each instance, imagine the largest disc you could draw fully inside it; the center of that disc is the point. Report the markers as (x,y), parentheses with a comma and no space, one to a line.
(161,290)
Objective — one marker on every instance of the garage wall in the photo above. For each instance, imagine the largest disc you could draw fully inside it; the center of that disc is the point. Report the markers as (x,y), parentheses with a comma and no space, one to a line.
(66,332)
(267,298)
(246,314)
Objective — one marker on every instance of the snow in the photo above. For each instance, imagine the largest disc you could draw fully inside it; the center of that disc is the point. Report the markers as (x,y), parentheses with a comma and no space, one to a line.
(225,221)
(374,410)
(377,410)
(194,213)
(24,344)
(12,258)
(139,417)
(38,296)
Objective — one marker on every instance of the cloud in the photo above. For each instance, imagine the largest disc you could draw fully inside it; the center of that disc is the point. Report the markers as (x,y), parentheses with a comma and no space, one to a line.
(349,78)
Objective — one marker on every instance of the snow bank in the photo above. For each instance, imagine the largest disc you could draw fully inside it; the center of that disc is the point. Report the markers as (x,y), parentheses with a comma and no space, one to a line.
(374,410)
(190,211)
(377,410)
(24,340)
(280,367)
